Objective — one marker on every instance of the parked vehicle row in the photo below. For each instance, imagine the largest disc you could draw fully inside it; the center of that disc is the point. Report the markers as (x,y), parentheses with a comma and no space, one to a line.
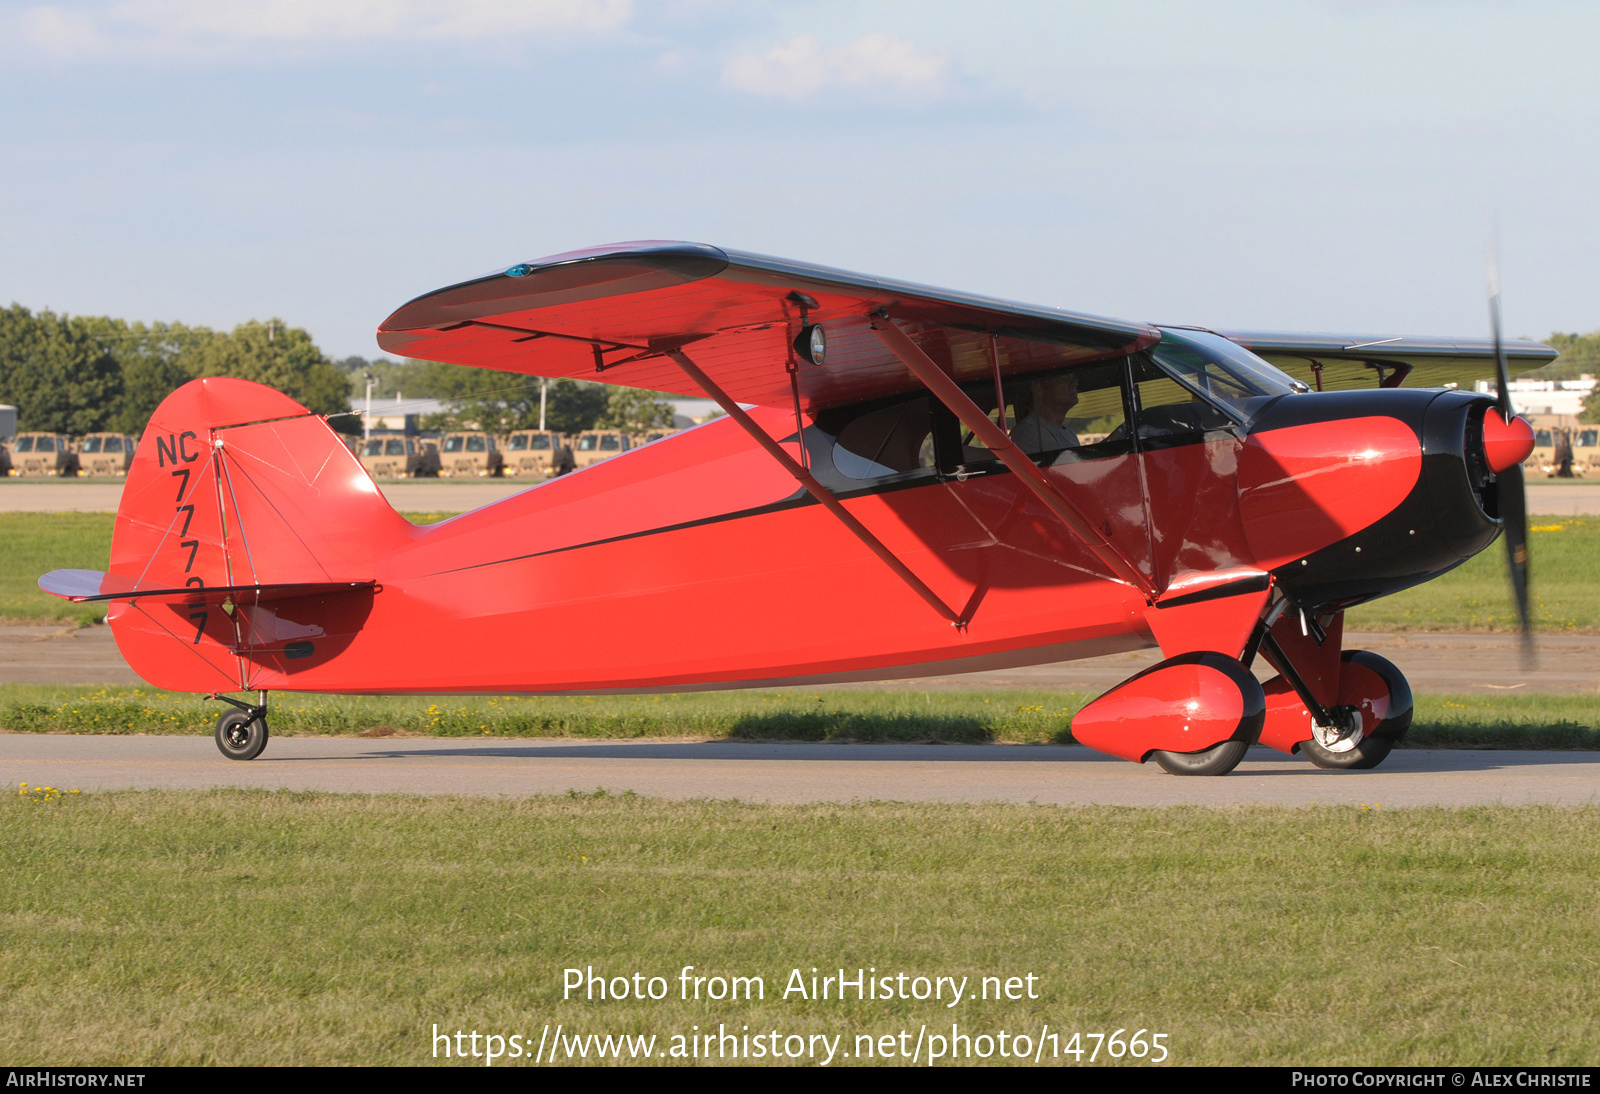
(58,455)
(524,453)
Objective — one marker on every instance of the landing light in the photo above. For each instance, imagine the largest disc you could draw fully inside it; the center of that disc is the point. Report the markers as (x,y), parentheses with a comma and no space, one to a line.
(812,344)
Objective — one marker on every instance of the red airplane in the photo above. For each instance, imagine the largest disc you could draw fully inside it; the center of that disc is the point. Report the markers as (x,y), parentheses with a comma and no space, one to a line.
(907,481)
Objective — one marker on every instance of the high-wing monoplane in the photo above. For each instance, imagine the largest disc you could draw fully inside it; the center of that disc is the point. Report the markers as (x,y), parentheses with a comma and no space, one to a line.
(906,481)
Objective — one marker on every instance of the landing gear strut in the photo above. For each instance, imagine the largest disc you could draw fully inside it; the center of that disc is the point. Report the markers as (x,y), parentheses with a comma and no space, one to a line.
(242,732)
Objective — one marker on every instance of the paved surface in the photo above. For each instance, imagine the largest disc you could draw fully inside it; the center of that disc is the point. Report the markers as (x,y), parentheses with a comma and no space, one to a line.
(1487,663)
(791,773)
(445,496)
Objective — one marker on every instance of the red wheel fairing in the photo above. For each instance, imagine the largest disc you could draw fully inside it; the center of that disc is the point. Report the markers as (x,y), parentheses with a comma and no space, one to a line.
(1188,703)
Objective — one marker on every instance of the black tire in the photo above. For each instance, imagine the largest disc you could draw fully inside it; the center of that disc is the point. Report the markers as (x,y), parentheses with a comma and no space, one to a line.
(1370,751)
(1216,760)
(240,737)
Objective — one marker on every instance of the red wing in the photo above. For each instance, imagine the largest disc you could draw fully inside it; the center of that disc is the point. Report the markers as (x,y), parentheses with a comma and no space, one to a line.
(601,314)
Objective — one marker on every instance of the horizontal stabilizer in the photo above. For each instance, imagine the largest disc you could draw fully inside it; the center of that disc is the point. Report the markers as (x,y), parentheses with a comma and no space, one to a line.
(86,586)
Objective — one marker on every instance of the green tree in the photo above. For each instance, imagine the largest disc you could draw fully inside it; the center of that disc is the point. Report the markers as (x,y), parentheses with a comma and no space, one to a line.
(279,356)
(59,372)
(635,411)
(575,405)
(152,360)
(1580,353)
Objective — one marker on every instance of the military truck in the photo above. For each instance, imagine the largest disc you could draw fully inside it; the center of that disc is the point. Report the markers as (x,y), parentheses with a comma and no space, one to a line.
(641,439)
(594,445)
(530,454)
(106,454)
(36,455)
(470,455)
(396,456)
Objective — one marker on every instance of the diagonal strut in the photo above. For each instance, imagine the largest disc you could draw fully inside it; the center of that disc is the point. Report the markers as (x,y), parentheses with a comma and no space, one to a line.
(947,392)
(812,486)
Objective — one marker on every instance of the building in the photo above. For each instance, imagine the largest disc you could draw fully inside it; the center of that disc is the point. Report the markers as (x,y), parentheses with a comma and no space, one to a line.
(1559,398)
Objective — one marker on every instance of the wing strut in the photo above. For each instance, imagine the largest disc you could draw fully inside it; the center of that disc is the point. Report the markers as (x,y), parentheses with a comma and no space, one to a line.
(945,389)
(813,487)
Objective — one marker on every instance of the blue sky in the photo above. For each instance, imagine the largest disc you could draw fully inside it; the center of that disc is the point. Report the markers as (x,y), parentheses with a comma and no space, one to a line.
(1330,165)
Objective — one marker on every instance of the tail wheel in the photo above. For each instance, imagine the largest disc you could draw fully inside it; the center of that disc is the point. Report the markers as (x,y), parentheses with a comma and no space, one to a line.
(241,736)
(1375,710)
(1216,760)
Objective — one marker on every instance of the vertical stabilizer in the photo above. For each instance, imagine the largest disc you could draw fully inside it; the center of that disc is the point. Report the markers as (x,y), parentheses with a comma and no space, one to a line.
(237,485)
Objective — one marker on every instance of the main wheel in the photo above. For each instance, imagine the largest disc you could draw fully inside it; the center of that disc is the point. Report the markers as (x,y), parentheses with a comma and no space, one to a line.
(241,737)
(1216,760)
(1374,711)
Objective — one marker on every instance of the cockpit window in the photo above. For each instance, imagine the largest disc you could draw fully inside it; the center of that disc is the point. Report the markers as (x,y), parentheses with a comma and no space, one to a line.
(1219,370)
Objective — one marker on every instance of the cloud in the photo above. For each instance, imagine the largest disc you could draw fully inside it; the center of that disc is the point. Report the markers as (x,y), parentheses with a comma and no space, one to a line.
(800,67)
(177,25)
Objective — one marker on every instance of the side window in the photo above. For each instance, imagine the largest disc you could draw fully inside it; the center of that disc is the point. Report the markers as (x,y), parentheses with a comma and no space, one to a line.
(1168,409)
(889,440)
(1056,411)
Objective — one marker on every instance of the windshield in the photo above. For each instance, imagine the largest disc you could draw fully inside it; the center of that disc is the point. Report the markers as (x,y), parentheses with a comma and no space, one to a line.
(1220,370)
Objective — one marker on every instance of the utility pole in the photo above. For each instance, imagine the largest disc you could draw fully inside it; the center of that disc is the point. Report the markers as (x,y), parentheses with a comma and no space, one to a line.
(544,385)
(366,421)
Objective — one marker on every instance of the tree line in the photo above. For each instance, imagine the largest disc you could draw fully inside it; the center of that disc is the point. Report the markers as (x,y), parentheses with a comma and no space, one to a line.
(85,374)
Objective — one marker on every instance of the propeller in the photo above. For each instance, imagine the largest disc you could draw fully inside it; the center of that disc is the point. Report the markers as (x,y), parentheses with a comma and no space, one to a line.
(1512,496)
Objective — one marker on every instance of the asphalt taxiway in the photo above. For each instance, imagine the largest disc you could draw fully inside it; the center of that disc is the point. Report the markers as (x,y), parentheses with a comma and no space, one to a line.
(791,773)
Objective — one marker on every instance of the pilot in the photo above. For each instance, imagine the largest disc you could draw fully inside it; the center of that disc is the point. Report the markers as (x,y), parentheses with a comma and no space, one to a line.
(1044,428)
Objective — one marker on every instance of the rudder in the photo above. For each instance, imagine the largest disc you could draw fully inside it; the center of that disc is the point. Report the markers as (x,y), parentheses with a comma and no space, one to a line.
(237,485)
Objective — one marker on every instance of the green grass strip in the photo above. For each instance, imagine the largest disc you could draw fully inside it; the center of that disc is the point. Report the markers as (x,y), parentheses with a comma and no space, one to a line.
(1028,717)
(237,927)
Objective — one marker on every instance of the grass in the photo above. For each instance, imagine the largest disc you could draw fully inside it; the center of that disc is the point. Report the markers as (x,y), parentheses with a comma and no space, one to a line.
(1015,717)
(32,544)
(240,927)
(1474,597)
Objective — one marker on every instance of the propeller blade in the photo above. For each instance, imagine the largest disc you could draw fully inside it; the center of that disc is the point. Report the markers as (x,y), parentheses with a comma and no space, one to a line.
(1510,490)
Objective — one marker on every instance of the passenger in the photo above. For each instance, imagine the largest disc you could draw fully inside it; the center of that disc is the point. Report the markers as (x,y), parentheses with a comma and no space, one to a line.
(1044,428)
